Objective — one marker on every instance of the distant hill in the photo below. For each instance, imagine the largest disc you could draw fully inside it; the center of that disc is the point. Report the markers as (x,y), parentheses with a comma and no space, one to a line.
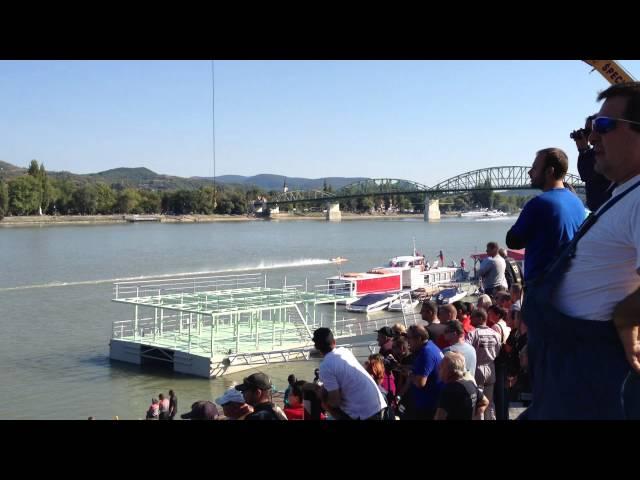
(140,174)
(142,177)
(8,170)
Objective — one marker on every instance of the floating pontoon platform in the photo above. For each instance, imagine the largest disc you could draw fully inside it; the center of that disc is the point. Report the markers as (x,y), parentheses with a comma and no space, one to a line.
(210,326)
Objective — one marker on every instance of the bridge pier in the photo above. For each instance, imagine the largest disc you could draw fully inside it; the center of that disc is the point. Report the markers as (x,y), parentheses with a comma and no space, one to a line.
(333,212)
(431,209)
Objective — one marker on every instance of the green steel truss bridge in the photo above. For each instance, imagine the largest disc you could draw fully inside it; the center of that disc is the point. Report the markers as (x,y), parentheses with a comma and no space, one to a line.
(492,178)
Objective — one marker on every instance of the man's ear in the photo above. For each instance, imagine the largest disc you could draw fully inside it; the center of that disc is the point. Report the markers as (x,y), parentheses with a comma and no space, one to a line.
(550,170)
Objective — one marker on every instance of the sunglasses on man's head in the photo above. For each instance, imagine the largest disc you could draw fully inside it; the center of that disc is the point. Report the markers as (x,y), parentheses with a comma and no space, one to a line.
(602,125)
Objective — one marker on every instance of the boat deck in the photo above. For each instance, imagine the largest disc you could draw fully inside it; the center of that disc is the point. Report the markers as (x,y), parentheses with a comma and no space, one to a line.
(215,302)
(208,320)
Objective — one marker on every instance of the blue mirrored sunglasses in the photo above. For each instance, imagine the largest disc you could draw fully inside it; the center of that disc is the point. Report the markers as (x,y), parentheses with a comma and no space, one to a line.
(604,125)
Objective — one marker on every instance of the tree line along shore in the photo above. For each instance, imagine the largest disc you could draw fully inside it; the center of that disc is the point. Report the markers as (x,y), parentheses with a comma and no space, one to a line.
(63,200)
(38,220)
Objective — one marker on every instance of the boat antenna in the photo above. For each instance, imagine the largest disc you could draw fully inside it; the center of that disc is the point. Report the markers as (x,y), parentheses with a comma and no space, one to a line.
(213,128)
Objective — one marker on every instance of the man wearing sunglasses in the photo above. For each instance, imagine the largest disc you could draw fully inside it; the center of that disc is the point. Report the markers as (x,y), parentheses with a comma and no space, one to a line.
(583,314)
(597,186)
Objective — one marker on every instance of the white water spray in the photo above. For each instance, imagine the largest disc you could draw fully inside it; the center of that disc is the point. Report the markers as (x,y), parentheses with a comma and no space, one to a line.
(261,266)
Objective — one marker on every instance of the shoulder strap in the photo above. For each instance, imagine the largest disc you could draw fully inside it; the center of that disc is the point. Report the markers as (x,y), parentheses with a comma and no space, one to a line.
(586,225)
(570,249)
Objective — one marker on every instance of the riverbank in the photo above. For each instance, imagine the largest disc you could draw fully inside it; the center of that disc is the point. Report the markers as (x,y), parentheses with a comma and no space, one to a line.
(35,220)
(30,221)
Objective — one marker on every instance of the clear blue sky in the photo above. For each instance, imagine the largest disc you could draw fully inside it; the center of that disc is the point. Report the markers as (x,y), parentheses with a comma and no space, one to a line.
(420,120)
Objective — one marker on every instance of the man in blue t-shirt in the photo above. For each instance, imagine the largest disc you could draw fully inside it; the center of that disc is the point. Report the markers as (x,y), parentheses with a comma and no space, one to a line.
(424,381)
(549,220)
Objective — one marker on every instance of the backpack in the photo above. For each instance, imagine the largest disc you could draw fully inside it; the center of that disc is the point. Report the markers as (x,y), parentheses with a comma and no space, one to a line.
(512,272)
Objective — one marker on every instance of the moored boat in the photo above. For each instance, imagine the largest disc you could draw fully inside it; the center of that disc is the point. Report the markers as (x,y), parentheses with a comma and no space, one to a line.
(450,295)
(403,304)
(372,303)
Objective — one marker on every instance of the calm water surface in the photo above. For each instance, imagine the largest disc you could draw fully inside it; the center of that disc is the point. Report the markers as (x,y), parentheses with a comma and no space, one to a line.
(56,289)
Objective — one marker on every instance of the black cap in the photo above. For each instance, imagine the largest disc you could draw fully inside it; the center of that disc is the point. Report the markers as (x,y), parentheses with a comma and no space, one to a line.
(202,410)
(256,380)
(386,331)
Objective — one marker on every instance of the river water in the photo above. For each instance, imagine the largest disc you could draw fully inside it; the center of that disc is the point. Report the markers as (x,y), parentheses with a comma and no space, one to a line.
(56,287)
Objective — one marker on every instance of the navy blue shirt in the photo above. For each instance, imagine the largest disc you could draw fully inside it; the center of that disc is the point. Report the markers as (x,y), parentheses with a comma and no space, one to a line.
(597,187)
(426,364)
(547,222)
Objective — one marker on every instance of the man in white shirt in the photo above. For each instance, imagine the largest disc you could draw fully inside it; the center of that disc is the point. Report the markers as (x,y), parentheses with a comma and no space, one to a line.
(586,342)
(351,391)
(492,270)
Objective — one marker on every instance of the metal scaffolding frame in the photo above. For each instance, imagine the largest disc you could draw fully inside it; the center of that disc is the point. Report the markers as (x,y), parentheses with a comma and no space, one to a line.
(222,315)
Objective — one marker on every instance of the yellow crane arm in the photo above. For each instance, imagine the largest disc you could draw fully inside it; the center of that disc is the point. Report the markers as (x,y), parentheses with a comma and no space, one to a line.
(610,70)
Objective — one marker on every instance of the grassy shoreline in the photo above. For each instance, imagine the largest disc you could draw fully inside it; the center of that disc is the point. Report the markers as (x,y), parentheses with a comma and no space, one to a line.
(35,220)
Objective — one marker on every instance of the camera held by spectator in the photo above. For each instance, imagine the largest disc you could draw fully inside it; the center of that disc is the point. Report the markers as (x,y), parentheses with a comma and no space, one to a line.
(579,134)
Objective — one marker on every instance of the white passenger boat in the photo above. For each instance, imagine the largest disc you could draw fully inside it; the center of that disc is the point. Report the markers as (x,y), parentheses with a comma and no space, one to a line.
(485,212)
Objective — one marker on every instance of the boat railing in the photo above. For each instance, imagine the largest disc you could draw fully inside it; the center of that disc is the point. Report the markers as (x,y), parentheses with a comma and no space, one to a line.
(193,284)
(229,336)
(339,289)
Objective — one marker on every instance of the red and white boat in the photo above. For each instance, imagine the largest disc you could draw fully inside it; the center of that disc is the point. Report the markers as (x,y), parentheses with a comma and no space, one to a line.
(377,280)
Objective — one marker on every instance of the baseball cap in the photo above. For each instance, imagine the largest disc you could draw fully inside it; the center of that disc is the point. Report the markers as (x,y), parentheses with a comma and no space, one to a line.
(231,395)
(386,331)
(202,410)
(256,380)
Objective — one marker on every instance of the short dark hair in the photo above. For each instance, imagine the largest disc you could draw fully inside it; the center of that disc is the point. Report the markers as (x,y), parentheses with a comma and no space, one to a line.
(556,158)
(449,307)
(430,304)
(479,313)
(291,379)
(499,311)
(418,331)
(492,245)
(296,388)
(400,340)
(630,91)
(502,296)
(323,339)
(454,326)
